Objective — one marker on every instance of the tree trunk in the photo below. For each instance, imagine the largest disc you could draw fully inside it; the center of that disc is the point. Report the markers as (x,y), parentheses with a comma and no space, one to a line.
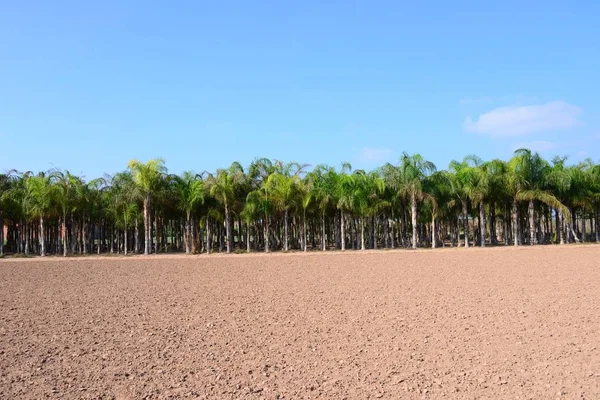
(413,217)
(125,240)
(323,240)
(73,234)
(493,237)
(362,233)
(1,235)
(572,226)
(84,235)
(27,228)
(42,237)
(304,231)
(531,223)
(285,231)
(433,241)
(559,236)
(137,236)
(64,234)
(375,233)
(147,225)
(207,236)
(482,224)
(465,222)
(188,235)
(597,223)
(266,233)
(248,237)
(505,225)
(515,218)
(228,228)
(343,231)
(393,230)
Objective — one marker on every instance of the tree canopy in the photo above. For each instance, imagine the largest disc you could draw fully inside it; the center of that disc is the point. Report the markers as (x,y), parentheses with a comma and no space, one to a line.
(272,205)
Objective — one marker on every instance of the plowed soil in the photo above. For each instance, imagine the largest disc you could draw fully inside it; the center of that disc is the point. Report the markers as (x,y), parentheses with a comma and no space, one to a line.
(465,324)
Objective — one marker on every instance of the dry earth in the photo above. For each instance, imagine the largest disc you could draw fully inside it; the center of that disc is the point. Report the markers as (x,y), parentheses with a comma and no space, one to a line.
(473,324)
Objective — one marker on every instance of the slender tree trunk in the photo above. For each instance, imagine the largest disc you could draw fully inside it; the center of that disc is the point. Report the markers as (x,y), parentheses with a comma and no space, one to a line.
(27,229)
(207,236)
(323,240)
(465,222)
(559,236)
(482,224)
(228,228)
(188,235)
(125,248)
(505,225)
(393,230)
(375,233)
(1,235)
(413,217)
(493,238)
(147,225)
(84,234)
(285,231)
(42,237)
(362,233)
(137,236)
(64,233)
(248,237)
(98,235)
(572,226)
(597,223)
(343,231)
(531,223)
(73,234)
(304,231)
(515,218)
(433,241)
(266,233)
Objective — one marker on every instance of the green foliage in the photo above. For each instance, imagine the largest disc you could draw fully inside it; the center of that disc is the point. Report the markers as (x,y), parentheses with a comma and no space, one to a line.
(402,195)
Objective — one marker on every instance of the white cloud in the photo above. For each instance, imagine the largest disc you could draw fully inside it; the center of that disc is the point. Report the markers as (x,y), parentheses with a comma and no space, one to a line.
(377,154)
(540,146)
(523,120)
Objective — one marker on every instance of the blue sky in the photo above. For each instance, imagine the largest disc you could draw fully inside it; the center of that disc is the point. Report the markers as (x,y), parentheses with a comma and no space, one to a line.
(87,86)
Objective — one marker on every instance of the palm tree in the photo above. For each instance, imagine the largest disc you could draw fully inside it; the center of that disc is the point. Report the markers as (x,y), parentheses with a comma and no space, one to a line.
(190,193)
(466,178)
(66,196)
(529,179)
(276,204)
(147,178)
(223,186)
(259,203)
(594,171)
(323,184)
(306,198)
(497,184)
(124,194)
(284,190)
(40,196)
(5,184)
(413,170)
(346,202)
(437,189)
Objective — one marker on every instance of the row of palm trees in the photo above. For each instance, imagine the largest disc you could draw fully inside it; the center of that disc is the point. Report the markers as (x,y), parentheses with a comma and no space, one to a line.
(273,205)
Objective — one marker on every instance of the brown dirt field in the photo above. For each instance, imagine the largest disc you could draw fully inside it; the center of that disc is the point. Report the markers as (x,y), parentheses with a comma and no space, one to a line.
(464,324)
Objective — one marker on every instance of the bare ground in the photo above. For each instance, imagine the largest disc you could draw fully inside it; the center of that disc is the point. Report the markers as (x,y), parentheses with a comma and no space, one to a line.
(472,324)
